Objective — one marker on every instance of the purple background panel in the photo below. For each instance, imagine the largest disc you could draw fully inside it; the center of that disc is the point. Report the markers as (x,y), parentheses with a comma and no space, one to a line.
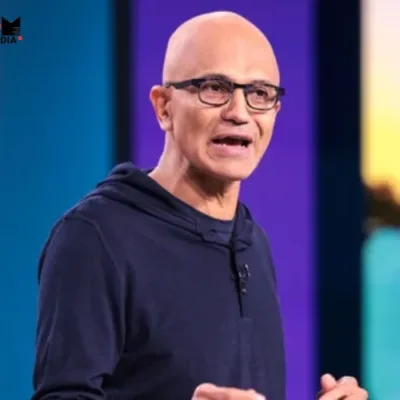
(280,193)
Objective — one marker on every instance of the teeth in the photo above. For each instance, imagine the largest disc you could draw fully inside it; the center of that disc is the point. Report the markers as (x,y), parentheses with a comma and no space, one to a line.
(232,141)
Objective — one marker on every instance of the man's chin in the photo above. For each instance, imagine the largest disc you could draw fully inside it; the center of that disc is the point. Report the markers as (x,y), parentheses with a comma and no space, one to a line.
(231,173)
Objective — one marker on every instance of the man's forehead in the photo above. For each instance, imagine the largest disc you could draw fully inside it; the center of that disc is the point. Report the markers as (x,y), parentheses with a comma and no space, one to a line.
(236,67)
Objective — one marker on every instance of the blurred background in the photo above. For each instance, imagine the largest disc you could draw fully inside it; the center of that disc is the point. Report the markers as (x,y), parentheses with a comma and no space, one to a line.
(74,102)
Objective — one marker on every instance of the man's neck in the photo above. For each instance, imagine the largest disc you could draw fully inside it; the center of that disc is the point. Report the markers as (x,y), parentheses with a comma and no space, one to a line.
(207,195)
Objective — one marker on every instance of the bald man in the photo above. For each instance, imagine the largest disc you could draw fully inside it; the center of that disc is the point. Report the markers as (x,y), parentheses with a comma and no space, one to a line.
(159,284)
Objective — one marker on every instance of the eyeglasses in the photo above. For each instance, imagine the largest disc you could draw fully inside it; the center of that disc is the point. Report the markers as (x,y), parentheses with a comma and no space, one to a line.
(218,92)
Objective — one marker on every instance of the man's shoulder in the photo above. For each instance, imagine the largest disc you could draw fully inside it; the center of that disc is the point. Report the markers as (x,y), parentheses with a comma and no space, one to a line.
(101,212)
(86,227)
(93,214)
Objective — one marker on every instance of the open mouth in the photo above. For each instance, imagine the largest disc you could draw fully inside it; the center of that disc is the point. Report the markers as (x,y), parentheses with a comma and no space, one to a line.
(232,141)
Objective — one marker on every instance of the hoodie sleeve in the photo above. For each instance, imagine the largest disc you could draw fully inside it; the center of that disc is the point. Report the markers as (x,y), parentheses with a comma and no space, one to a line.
(81,325)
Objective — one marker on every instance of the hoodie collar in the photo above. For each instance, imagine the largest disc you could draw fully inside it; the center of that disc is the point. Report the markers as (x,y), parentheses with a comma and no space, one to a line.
(132,186)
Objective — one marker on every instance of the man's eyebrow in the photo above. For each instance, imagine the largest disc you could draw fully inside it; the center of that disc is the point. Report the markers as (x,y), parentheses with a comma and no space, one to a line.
(228,78)
(261,82)
(216,76)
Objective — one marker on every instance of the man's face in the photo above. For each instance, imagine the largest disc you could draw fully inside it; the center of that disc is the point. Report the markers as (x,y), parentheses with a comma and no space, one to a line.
(205,134)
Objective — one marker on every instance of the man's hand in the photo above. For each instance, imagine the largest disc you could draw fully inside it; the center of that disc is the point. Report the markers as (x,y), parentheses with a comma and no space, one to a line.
(207,391)
(345,388)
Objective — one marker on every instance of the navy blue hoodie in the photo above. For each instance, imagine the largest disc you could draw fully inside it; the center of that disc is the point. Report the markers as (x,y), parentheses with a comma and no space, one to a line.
(143,297)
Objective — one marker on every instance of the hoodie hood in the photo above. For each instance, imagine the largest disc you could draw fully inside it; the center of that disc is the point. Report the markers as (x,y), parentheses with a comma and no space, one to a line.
(133,187)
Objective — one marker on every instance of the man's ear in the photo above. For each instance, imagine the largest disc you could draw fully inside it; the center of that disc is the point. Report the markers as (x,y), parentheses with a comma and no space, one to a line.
(160,98)
(278,106)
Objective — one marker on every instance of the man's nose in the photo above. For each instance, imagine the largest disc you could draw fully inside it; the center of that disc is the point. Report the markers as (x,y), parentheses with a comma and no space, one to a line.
(236,109)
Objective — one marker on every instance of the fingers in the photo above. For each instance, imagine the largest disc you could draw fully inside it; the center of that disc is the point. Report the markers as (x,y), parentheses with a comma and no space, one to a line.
(338,393)
(361,395)
(328,382)
(348,380)
(346,389)
(208,391)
